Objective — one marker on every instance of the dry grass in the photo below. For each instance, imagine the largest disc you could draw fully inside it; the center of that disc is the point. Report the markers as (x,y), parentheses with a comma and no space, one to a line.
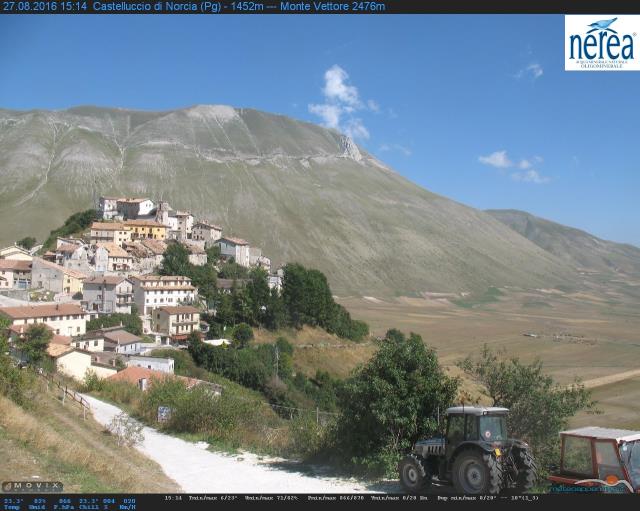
(79,453)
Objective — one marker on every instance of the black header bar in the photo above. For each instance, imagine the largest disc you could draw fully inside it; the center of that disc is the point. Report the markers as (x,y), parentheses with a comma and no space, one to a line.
(370,7)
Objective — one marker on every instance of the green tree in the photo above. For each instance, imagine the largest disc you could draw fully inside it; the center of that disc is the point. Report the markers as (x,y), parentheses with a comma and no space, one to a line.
(27,243)
(75,224)
(275,315)
(130,322)
(391,402)
(242,335)
(232,270)
(258,294)
(176,260)
(34,343)
(539,407)
(213,254)
(14,383)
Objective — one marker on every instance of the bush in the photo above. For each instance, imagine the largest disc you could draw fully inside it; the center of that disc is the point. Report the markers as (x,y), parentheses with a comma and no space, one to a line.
(127,430)
(162,392)
(130,322)
(539,407)
(390,403)
(75,224)
(242,334)
(27,243)
(15,383)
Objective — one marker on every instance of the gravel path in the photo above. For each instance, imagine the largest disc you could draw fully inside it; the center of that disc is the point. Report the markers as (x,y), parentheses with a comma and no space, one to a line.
(198,470)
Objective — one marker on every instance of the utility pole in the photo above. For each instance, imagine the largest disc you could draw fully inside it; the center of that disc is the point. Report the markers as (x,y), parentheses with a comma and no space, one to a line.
(277,359)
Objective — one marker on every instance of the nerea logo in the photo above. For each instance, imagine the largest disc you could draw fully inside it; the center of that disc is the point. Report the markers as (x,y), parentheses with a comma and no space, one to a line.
(601,43)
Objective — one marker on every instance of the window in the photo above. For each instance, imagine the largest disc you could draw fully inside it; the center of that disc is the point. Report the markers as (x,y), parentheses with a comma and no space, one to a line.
(455,431)
(607,460)
(577,456)
(492,428)
(472,427)
(95,343)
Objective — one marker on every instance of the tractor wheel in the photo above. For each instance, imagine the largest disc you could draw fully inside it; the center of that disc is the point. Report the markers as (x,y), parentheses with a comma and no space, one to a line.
(527,470)
(475,472)
(415,477)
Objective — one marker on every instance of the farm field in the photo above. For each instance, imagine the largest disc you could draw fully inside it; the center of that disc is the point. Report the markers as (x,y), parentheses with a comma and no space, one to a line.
(575,336)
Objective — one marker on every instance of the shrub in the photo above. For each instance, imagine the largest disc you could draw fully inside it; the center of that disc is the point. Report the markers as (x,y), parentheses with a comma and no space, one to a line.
(130,322)
(391,402)
(242,335)
(539,407)
(127,430)
(27,243)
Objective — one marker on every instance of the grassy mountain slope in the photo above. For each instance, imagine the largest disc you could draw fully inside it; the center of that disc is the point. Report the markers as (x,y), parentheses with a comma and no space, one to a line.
(577,248)
(301,192)
(52,442)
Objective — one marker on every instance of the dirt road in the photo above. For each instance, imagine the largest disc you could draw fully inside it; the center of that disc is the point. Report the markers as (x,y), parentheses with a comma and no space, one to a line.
(612,378)
(198,470)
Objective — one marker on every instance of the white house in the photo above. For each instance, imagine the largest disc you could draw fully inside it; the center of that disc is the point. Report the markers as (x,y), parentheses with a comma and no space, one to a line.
(184,221)
(75,363)
(176,322)
(63,318)
(110,232)
(236,248)
(164,365)
(204,231)
(133,208)
(152,291)
(108,207)
(116,258)
(52,277)
(257,259)
(15,274)
(120,341)
(197,254)
(108,294)
(16,253)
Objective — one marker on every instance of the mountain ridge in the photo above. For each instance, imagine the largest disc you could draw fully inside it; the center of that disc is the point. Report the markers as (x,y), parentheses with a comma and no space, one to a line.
(301,192)
(579,248)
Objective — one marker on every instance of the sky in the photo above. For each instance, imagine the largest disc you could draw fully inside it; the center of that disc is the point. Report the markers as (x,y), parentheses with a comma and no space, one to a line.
(475,108)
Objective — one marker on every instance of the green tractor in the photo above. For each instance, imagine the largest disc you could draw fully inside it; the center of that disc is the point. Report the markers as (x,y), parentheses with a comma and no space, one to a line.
(475,455)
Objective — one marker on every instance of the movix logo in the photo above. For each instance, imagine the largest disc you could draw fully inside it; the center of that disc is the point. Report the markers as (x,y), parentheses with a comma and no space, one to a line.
(601,43)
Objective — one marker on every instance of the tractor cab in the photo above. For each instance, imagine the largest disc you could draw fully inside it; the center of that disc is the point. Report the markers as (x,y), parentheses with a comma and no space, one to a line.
(476,424)
(603,459)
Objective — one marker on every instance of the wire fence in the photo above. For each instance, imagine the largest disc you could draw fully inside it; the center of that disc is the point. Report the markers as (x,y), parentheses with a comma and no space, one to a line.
(288,412)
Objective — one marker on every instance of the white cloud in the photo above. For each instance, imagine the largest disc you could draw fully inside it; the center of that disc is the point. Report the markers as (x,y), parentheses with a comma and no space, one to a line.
(396,147)
(498,159)
(530,176)
(526,174)
(330,114)
(355,129)
(336,87)
(534,70)
(342,102)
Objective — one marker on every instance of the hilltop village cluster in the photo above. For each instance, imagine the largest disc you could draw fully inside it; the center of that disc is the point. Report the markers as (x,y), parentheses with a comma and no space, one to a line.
(114,268)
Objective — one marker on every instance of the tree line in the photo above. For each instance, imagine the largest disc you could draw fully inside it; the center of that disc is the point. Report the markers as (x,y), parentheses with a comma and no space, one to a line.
(305,299)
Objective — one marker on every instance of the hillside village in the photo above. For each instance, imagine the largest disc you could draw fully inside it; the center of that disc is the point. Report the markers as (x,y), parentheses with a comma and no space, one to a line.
(113,268)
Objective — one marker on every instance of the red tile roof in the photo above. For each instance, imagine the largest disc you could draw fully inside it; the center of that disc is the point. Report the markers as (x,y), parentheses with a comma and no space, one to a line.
(15,265)
(41,311)
(134,374)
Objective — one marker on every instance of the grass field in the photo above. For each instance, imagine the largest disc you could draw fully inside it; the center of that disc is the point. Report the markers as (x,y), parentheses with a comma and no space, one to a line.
(587,335)
(52,442)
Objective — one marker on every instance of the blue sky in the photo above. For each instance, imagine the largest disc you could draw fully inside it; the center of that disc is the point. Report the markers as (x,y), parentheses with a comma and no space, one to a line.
(476,108)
